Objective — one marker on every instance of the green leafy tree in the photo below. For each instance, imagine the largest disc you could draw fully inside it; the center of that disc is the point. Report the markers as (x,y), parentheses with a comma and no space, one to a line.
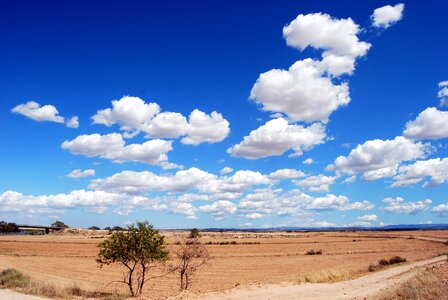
(139,249)
(60,224)
(8,227)
(191,255)
(194,233)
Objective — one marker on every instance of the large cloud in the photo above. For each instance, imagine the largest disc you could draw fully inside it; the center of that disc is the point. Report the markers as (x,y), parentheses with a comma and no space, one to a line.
(112,146)
(14,201)
(276,137)
(441,210)
(387,15)
(436,169)
(135,116)
(379,158)
(336,37)
(429,124)
(399,206)
(319,183)
(303,92)
(132,182)
(36,112)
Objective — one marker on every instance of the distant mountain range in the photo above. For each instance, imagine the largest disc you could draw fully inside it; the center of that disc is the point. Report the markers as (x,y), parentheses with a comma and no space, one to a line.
(377,228)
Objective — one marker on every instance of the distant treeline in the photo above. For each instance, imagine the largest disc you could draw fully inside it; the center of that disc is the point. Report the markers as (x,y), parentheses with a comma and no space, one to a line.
(8,227)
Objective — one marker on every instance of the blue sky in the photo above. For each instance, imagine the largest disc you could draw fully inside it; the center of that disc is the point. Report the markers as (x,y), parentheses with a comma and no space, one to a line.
(244,93)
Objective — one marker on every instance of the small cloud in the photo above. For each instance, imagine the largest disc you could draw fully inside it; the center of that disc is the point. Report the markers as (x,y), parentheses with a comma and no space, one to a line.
(226,170)
(80,174)
(308,161)
(385,16)
(72,122)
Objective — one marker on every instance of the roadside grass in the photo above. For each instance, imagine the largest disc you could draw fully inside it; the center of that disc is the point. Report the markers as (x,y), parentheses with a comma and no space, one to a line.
(326,276)
(12,278)
(16,280)
(422,286)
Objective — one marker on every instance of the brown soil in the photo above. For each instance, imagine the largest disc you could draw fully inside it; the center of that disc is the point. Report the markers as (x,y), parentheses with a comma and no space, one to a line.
(257,258)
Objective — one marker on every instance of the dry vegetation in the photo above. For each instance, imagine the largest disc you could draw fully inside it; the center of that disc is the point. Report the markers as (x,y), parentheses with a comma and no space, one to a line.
(424,285)
(67,261)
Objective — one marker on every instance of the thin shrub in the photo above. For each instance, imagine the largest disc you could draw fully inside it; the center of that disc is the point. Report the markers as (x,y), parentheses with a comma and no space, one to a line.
(313,252)
(397,260)
(13,278)
(383,262)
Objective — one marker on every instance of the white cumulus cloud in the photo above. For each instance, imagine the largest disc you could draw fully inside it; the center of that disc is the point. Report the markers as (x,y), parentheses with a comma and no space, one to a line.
(134,115)
(399,206)
(429,124)
(336,37)
(377,159)
(303,92)
(276,137)
(441,210)
(81,173)
(436,169)
(443,93)
(112,146)
(319,183)
(387,15)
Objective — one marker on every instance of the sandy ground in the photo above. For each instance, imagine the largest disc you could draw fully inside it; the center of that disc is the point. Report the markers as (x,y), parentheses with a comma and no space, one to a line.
(11,295)
(366,287)
(260,258)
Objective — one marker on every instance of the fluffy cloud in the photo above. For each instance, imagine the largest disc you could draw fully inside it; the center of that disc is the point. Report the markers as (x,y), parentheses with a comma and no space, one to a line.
(379,158)
(443,93)
(226,170)
(73,122)
(308,161)
(319,183)
(399,206)
(14,201)
(303,92)
(367,218)
(429,124)
(219,209)
(276,137)
(336,37)
(204,128)
(132,113)
(135,116)
(387,15)
(436,169)
(112,146)
(132,182)
(36,112)
(441,209)
(286,174)
(334,202)
(80,174)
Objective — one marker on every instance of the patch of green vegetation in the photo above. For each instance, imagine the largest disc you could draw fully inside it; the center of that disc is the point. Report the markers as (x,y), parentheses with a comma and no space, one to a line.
(12,278)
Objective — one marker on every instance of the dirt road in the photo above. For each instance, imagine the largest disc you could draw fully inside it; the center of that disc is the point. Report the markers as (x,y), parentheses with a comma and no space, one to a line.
(11,295)
(366,287)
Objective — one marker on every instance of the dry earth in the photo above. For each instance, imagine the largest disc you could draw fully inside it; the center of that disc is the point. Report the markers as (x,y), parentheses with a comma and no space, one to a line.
(256,259)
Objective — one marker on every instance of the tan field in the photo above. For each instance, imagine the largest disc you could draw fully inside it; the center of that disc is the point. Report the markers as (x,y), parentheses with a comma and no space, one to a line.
(65,260)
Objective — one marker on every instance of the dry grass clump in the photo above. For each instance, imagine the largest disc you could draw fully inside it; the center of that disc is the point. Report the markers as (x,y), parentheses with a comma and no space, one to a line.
(386,262)
(423,286)
(327,275)
(12,278)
